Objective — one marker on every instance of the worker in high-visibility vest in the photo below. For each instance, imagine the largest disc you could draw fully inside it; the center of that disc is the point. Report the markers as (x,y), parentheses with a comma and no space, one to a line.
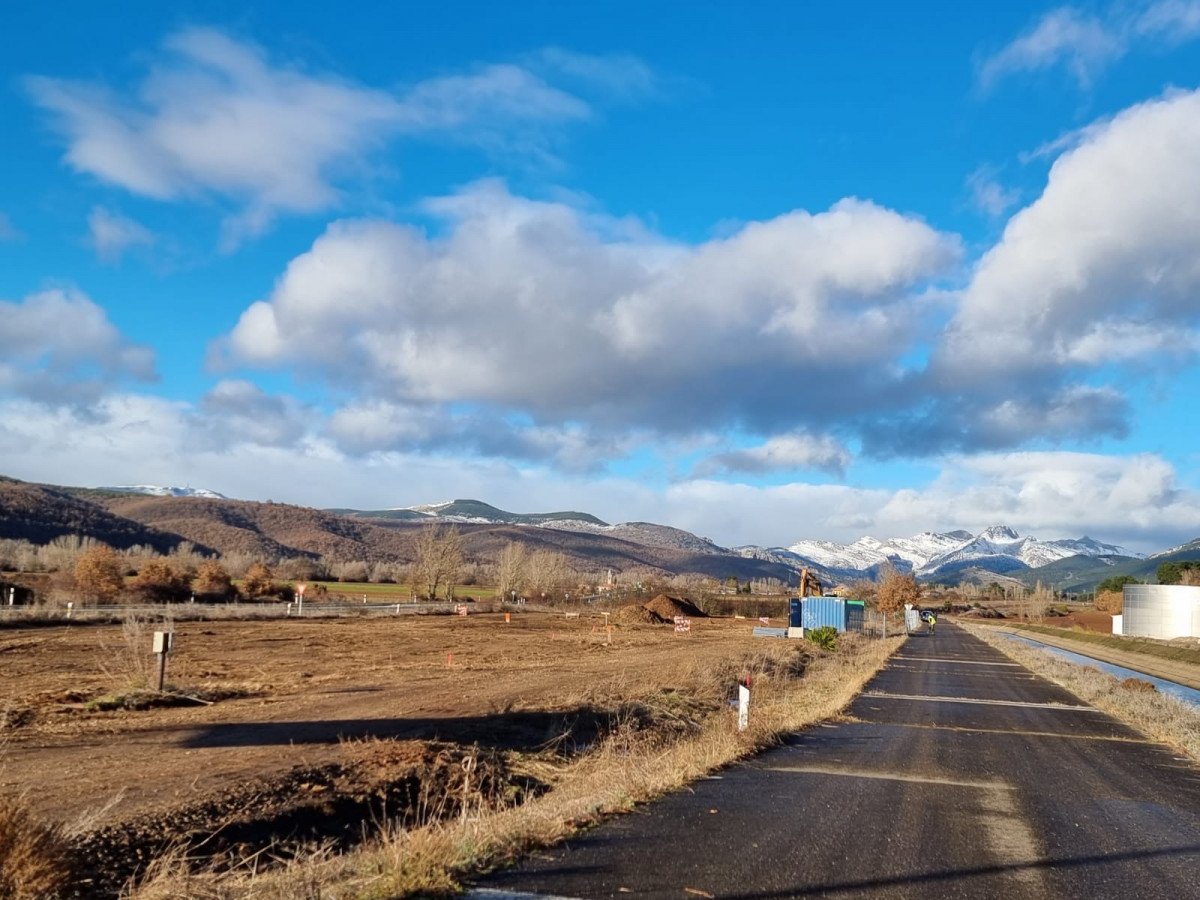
(932,620)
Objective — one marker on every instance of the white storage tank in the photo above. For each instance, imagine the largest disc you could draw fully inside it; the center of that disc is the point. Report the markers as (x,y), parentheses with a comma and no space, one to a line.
(1163,611)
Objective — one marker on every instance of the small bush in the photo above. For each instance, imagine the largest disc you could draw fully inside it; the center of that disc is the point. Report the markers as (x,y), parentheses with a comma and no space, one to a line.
(34,857)
(825,637)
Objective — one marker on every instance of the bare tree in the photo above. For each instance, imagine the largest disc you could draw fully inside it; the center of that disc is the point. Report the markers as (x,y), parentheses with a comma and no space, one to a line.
(547,571)
(510,573)
(439,557)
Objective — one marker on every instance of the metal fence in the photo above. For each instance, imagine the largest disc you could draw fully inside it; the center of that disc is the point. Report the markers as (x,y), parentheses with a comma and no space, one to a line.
(183,611)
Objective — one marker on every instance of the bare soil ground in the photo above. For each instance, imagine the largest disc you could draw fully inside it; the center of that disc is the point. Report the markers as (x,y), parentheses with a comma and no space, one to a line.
(1088,620)
(351,715)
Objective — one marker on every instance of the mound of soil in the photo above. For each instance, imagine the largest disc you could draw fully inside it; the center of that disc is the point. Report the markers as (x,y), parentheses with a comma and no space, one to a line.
(408,782)
(667,608)
(636,615)
(986,612)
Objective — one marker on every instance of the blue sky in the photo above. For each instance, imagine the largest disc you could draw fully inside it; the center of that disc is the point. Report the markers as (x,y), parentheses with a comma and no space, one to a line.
(799,271)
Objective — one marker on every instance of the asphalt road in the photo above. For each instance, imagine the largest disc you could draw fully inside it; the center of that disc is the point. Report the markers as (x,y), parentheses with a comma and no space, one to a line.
(959,774)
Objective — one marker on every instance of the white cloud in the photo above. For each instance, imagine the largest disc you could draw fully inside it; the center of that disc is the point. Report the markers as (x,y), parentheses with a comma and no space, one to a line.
(1103,267)
(1135,500)
(215,117)
(988,194)
(1065,35)
(622,75)
(1086,43)
(371,426)
(111,234)
(568,318)
(61,347)
(237,411)
(1173,21)
(780,454)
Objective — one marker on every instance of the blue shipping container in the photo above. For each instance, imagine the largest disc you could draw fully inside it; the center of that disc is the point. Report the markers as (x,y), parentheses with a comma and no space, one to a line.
(821,611)
(856,614)
(795,617)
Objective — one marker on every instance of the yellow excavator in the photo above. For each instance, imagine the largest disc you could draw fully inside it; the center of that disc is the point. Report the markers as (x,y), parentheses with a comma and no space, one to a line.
(810,585)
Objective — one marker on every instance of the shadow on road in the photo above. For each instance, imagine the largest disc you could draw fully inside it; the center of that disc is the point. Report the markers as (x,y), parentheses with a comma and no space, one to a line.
(1077,862)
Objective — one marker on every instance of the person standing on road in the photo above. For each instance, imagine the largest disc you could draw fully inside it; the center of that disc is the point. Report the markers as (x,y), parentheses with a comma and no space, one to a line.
(931,621)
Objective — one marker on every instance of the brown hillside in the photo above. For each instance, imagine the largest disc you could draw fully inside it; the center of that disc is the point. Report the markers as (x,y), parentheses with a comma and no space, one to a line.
(278,530)
(39,514)
(270,529)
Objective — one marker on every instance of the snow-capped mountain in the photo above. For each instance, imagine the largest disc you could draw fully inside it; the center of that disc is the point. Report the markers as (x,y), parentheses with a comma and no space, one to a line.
(155,490)
(999,549)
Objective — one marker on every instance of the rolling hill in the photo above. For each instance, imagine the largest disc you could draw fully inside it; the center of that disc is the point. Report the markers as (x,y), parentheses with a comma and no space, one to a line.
(39,514)
(278,531)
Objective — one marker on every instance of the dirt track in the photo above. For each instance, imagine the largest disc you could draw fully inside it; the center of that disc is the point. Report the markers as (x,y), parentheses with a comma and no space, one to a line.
(310,686)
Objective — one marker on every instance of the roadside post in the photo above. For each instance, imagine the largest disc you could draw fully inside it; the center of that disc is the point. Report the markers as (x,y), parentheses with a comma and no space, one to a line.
(300,598)
(12,596)
(163,642)
(744,706)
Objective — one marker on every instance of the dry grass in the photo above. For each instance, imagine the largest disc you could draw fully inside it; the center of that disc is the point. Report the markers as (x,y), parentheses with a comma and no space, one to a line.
(34,857)
(130,664)
(1128,644)
(632,765)
(1156,715)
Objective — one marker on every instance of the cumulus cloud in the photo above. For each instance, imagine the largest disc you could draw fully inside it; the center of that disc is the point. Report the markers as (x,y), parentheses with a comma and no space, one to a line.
(370,426)
(60,347)
(568,318)
(237,411)
(1104,266)
(780,454)
(1086,43)
(111,234)
(216,117)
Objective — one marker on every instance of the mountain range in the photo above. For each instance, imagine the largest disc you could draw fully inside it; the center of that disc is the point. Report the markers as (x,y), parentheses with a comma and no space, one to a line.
(164,517)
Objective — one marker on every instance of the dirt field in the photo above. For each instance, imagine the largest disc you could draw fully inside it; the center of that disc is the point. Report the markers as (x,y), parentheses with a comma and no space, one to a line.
(303,700)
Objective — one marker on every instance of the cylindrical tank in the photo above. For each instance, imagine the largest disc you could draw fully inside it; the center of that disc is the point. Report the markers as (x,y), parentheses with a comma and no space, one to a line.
(1163,611)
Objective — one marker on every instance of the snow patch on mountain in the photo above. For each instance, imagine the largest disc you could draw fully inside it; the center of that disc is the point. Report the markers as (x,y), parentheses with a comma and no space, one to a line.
(929,553)
(154,490)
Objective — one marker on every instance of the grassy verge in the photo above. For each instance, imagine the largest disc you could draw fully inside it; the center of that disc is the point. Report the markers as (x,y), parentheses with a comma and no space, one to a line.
(632,765)
(1149,647)
(1156,715)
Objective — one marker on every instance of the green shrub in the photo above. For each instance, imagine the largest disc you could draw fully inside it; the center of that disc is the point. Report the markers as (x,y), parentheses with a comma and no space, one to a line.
(825,637)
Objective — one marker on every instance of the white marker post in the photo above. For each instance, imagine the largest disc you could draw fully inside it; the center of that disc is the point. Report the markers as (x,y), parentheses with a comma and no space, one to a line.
(743,707)
(163,642)
(300,595)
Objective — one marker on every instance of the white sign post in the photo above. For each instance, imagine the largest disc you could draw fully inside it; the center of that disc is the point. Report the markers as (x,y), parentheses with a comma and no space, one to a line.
(163,642)
(743,707)
(300,598)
